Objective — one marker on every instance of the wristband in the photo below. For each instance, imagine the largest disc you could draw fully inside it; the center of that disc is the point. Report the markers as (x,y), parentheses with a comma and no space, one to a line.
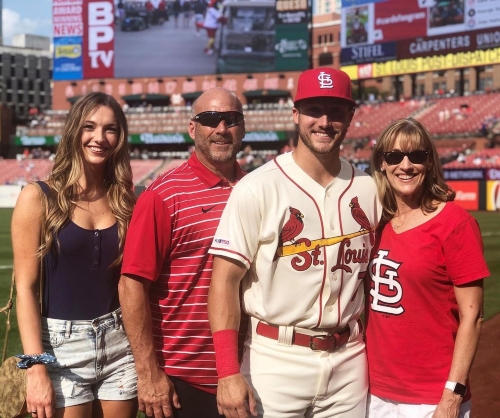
(456,388)
(226,352)
(29,360)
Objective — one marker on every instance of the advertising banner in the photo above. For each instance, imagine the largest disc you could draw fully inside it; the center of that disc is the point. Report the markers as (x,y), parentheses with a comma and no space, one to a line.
(350,3)
(493,195)
(423,64)
(83,39)
(437,63)
(36,141)
(153,138)
(467,194)
(465,174)
(67,18)
(444,44)
(68,63)
(68,29)
(184,138)
(292,35)
(98,42)
(292,47)
(493,174)
(291,12)
(368,53)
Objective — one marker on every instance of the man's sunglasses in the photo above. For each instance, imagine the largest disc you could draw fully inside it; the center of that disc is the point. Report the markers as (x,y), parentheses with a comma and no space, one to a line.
(213,118)
(415,157)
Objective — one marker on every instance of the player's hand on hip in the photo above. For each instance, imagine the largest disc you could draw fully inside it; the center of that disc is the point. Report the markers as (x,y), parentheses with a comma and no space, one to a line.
(235,397)
(449,406)
(157,395)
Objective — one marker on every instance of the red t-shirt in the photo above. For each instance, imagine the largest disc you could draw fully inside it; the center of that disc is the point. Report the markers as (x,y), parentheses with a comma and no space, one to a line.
(412,312)
(172,228)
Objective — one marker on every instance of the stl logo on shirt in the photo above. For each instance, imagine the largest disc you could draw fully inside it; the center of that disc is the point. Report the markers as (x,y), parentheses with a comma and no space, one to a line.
(387,291)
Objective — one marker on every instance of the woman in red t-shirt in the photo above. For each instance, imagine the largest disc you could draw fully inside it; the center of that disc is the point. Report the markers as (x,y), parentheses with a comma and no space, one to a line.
(425,293)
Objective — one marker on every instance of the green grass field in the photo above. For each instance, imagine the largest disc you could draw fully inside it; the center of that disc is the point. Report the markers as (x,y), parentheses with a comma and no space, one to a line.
(489,222)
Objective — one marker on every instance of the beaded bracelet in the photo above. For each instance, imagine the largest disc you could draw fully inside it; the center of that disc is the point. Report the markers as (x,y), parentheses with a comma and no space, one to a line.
(29,360)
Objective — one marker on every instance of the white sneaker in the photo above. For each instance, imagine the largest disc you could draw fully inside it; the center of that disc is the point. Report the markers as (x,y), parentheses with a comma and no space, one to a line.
(210,52)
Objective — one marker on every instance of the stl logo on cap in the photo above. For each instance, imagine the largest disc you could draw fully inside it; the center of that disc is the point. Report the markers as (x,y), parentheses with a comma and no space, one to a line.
(325,80)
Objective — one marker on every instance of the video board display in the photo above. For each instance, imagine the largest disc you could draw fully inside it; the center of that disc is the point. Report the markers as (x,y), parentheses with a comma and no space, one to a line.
(384,30)
(98,39)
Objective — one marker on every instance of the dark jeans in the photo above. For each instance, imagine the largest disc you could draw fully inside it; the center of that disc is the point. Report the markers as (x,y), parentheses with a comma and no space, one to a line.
(195,402)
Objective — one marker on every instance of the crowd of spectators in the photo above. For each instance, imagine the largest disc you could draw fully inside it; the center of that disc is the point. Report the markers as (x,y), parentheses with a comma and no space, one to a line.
(438,112)
(490,126)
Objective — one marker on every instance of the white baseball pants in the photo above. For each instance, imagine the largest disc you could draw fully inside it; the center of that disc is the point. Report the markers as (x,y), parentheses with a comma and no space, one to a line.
(296,382)
(385,408)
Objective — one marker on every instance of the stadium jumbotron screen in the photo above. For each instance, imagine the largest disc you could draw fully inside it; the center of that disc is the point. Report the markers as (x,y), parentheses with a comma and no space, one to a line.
(160,38)
(383,30)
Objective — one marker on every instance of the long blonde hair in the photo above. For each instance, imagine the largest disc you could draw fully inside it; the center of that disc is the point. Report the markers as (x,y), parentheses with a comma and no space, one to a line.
(68,169)
(412,135)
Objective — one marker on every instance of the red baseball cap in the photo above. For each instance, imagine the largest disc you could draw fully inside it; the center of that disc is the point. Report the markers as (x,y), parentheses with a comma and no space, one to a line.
(324,82)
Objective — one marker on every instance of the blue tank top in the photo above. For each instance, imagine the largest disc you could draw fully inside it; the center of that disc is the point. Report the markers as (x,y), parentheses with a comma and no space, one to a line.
(79,284)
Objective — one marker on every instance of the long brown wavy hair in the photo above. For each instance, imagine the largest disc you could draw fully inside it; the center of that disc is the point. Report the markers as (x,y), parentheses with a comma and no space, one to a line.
(69,168)
(412,136)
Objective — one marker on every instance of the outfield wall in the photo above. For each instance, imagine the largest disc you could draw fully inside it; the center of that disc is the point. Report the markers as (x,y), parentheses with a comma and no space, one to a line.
(476,188)
(8,195)
(471,194)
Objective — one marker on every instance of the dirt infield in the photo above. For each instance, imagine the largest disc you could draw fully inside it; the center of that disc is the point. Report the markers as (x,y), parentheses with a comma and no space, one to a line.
(485,373)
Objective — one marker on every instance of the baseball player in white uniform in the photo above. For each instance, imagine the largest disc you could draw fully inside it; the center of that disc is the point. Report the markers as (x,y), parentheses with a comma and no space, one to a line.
(297,234)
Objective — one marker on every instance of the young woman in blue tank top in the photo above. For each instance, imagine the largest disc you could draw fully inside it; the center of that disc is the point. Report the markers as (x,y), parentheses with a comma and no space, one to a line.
(89,204)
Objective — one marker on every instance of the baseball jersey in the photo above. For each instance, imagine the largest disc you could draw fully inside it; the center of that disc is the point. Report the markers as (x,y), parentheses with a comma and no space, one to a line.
(172,227)
(306,246)
(412,312)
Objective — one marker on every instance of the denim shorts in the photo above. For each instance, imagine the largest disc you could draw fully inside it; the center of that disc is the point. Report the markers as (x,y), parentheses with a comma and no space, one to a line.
(94,360)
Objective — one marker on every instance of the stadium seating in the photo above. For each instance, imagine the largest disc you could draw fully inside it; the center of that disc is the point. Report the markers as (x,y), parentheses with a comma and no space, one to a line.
(144,170)
(460,115)
(457,115)
(455,122)
(371,119)
(486,158)
(22,172)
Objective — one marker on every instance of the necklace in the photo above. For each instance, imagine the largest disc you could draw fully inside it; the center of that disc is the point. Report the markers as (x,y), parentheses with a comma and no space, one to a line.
(408,217)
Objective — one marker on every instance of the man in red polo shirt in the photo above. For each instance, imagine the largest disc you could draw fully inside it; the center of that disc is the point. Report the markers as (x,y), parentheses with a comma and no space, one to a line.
(167,269)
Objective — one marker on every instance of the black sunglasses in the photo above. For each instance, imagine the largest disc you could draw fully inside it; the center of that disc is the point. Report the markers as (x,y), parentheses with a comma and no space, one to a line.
(213,118)
(415,157)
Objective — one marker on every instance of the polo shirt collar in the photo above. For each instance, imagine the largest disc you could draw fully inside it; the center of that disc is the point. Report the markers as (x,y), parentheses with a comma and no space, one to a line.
(208,177)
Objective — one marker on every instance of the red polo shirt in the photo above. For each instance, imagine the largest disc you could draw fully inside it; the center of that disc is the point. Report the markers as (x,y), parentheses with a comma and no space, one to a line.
(172,228)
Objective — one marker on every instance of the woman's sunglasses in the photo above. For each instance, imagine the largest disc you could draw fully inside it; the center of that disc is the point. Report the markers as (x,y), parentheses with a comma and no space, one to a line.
(415,157)
(213,118)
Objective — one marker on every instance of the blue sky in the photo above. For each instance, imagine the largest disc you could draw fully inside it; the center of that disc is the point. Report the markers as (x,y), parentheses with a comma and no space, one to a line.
(26,16)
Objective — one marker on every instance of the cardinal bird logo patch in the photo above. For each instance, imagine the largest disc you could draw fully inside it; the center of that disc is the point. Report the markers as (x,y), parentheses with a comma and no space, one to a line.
(293,227)
(305,251)
(360,217)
